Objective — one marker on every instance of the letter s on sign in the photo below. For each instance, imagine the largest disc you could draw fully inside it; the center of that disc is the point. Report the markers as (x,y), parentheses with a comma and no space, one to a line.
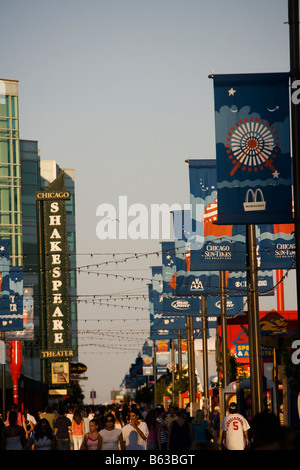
(296,354)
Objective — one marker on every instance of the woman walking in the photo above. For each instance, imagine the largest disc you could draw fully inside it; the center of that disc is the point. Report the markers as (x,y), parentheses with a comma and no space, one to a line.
(92,440)
(154,437)
(78,429)
(111,435)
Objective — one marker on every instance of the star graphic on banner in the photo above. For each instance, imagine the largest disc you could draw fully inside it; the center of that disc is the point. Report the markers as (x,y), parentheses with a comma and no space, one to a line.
(231,92)
(2,248)
(275,174)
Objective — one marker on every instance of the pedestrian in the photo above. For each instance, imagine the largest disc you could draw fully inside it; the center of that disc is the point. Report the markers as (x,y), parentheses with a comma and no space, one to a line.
(180,433)
(111,435)
(20,418)
(78,429)
(146,408)
(234,430)
(92,440)
(125,414)
(43,437)
(135,433)
(171,416)
(163,435)
(63,431)
(29,423)
(201,428)
(13,435)
(215,426)
(118,418)
(154,437)
(49,416)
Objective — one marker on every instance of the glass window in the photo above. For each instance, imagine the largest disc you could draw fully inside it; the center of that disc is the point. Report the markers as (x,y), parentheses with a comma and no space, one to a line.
(14,106)
(4,123)
(4,105)
(16,151)
(5,218)
(5,181)
(4,170)
(4,151)
(5,202)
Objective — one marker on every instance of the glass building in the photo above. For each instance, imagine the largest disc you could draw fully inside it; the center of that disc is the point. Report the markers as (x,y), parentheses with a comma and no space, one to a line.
(10,169)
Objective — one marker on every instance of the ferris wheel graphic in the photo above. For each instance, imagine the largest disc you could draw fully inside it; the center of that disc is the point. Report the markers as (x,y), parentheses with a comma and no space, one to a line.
(252,144)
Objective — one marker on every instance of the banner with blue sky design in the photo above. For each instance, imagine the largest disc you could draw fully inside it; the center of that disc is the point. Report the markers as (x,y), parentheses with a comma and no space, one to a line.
(276,246)
(252,128)
(214,247)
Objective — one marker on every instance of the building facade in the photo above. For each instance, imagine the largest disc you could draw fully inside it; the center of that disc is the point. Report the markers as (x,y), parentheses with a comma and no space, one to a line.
(10,170)
(22,175)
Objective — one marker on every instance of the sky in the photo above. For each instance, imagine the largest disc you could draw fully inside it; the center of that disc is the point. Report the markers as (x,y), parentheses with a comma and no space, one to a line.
(119,91)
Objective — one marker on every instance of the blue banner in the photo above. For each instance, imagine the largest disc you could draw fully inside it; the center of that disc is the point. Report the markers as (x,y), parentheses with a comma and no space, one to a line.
(234,306)
(11,291)
(253,148)
(172,304)
(166,327)
(276,246)
(197,283)
(216,247)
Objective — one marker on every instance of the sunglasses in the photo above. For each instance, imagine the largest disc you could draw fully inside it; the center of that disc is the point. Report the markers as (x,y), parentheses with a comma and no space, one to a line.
(109,420)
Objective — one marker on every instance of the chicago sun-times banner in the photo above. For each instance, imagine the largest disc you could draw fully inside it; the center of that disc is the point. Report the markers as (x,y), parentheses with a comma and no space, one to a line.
(213,247)
(252,128)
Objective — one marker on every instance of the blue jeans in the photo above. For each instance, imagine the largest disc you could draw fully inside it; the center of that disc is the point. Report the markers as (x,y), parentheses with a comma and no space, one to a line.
(63,444)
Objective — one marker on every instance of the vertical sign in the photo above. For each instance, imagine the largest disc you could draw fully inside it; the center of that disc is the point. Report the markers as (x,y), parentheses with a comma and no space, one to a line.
(55,272)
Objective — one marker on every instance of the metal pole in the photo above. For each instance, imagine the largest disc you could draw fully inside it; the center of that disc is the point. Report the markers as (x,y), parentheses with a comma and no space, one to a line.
(173,369)
(3,382)
(205,351)
(154,374)
(193,360)
(191,367)
(179,336)
(293,14)
(224,327)
(254,330)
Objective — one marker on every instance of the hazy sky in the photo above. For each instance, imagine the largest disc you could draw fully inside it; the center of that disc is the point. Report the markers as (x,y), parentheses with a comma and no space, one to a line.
(119,91)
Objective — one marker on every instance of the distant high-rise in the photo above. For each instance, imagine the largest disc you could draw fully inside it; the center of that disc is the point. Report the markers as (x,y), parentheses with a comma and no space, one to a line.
(10,169)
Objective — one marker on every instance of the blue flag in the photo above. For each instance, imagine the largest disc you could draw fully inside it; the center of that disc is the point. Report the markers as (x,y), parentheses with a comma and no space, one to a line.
(253,148)
(216,247)
(276,246)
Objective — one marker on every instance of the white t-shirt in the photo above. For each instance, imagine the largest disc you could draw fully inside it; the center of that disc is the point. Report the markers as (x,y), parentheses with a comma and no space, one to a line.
(110,439)
(234,425)
(132,440)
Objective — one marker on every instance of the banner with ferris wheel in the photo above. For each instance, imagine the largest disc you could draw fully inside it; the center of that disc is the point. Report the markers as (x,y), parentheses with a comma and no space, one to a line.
(252,129)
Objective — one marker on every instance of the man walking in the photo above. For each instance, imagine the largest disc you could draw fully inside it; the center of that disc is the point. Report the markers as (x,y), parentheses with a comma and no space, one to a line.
(135,433)
(234,429)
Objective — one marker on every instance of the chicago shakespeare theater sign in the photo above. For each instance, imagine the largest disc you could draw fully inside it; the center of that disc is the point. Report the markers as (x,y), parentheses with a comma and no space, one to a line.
(55,318)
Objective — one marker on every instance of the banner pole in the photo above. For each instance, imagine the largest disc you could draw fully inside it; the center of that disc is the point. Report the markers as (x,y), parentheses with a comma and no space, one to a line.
(254,326)
(179,351)
(224,327)
(154,374)
(205,352)
(293,15)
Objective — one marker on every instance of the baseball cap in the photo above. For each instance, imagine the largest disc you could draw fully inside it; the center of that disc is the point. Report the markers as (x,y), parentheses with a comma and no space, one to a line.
(232,407)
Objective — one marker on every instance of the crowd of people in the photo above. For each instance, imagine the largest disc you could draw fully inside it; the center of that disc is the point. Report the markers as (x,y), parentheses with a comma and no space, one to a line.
(135,427)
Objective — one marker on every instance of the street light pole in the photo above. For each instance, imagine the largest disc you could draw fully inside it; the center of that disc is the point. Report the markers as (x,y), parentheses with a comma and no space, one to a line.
(293,14)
